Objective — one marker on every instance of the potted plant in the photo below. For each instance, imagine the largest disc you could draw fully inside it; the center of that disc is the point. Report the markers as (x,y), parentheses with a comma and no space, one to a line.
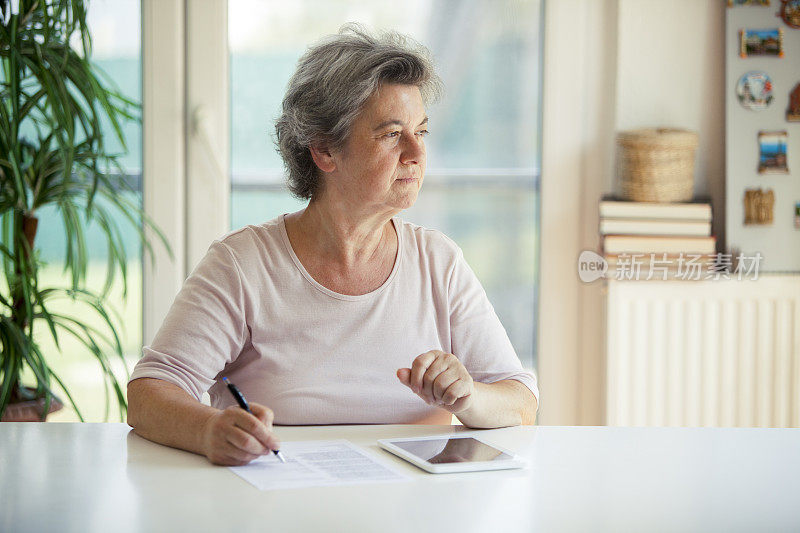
(53,152)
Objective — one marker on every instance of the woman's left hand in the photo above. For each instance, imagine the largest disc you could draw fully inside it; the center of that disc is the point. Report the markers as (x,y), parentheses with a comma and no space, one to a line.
(440,379)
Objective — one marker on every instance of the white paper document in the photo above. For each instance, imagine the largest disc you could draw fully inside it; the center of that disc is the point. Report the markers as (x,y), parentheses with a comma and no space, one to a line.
(317,463)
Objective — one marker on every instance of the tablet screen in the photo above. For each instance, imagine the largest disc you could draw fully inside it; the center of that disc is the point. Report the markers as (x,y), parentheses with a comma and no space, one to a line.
(462,450)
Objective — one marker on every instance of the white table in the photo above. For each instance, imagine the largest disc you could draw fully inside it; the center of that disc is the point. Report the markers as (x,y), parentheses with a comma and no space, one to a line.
(102,477)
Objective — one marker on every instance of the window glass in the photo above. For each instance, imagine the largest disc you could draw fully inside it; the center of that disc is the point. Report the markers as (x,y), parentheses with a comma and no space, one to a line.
(116,39)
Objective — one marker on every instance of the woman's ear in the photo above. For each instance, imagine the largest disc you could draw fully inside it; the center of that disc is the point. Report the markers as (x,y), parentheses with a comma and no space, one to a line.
(322,158)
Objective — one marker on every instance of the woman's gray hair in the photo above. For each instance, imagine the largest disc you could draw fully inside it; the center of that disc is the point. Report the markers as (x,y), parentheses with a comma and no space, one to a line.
(333,80)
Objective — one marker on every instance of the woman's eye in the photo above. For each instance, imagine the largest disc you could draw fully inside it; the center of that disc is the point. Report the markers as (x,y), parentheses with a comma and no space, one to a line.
(393,134)
(423,133)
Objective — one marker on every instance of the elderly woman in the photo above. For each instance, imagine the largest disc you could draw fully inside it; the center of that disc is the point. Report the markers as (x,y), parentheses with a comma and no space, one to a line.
(340,313)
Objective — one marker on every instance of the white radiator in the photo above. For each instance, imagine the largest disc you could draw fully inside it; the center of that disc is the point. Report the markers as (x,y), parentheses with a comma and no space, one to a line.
(704,353)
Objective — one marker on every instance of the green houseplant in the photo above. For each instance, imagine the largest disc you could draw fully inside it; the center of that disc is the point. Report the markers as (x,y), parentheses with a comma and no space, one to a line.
(53,152)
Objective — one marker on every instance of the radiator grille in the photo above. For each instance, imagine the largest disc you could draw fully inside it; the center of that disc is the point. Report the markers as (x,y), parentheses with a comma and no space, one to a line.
(716,353)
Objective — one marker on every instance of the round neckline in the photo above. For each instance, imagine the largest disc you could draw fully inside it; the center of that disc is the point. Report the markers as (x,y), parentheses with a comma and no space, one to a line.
(327,291)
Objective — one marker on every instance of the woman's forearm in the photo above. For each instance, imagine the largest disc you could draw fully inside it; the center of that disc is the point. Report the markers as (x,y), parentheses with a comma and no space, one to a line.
(500,404)
(165,413)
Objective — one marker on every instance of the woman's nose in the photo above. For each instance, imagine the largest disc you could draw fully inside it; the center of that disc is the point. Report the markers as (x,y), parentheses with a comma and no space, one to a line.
(413,151)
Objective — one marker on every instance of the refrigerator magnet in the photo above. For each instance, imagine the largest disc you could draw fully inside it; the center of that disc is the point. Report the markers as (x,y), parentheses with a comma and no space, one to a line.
(754,90)
(761,42)
(772,152)
(790,13)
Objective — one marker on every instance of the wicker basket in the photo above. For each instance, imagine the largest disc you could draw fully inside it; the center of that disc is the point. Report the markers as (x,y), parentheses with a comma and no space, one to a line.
(657,164)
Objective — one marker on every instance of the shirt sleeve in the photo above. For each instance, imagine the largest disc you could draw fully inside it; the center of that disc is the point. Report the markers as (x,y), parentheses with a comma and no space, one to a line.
(205,328)
(478,338)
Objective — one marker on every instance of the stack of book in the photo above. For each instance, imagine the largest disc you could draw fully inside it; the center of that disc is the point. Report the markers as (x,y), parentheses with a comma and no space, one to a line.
(666,235)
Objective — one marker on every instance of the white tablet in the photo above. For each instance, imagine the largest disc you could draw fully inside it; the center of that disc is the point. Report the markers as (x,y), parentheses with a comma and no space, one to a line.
(452,453)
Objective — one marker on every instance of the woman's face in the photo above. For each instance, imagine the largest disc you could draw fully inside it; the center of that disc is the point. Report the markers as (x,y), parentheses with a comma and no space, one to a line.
(383,163)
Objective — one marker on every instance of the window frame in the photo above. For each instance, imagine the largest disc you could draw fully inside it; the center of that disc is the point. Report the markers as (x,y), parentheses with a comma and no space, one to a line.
(186,146)
(163,160)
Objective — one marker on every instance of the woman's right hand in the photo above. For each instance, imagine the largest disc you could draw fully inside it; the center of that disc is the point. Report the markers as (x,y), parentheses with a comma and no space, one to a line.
(234,437)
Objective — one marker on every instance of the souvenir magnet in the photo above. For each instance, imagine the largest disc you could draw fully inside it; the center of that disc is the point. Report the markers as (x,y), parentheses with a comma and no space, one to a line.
(754,90)
(793,113)
(797,215)
(758,206)
(790,13)
(772,152)
(761,42)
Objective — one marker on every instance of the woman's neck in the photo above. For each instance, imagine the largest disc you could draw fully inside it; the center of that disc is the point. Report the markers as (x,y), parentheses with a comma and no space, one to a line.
(347,238)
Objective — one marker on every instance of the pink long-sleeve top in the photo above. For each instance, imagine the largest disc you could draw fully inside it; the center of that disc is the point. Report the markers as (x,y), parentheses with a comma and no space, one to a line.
(251,312)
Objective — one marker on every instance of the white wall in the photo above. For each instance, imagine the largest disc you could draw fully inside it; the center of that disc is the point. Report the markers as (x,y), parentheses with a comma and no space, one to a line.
(671,72)
(612,65)
(577,149)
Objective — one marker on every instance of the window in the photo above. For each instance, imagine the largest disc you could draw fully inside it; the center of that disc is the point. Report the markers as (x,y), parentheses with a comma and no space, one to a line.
(115,30)
(482,183)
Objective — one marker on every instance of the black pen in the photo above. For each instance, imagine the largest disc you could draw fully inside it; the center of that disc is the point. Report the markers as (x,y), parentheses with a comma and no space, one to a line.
(237,394)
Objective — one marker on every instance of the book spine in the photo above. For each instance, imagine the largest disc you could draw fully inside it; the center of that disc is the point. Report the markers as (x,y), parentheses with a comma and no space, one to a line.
(633,210)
